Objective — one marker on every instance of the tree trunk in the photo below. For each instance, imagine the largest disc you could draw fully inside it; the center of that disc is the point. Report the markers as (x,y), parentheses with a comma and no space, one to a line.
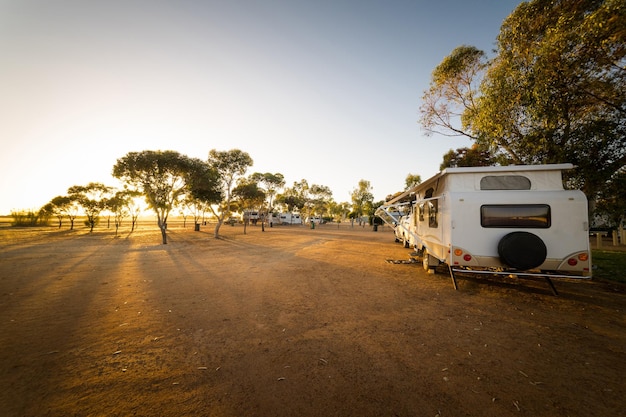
(217,227)
(163,228)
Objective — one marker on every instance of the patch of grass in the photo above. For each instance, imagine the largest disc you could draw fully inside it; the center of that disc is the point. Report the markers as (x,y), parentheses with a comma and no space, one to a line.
(609,265)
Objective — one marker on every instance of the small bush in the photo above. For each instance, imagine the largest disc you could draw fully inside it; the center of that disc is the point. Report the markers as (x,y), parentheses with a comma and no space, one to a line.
(28,219)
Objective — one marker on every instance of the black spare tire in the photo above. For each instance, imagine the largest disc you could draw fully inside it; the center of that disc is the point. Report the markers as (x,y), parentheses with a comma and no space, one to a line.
(522,250)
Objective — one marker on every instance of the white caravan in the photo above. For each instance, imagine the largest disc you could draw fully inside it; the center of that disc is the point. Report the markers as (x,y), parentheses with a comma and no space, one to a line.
(515,219)
(290,218)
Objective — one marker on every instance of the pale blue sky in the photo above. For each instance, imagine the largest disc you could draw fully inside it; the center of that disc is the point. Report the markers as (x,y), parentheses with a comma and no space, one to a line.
(328,91)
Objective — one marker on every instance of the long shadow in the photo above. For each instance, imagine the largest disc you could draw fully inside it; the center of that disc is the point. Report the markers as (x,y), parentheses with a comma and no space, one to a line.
(49,309)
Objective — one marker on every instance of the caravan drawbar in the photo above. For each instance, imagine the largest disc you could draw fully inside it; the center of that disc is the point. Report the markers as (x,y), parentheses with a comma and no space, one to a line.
(515,219)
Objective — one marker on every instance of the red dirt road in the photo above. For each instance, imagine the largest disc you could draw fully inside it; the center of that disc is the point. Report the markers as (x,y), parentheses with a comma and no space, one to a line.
(291,322)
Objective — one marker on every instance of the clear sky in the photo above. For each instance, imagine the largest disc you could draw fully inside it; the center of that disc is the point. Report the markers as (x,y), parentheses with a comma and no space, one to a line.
(325,90)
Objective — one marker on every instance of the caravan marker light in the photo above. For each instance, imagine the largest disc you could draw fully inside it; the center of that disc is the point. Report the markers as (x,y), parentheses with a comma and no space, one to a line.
(572,261)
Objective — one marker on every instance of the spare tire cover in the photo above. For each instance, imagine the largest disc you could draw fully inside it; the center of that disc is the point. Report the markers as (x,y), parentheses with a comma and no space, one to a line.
(522,250)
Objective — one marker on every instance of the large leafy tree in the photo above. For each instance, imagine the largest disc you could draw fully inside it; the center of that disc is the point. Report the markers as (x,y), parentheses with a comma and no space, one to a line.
(93,198)
(248,196)
(319,199)
(204,188)
(362,198)
(554,92)
(411,181)
(230,165)
(295,197)
(453,93)
(467,157)
(161,176)
(271,183)
(63,205)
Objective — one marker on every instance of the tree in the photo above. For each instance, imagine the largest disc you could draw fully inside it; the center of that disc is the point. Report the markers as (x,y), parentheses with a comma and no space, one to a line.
(362,198)
(161,176)
(248,195)
(338,211)
(229,165)
(559,82)
(555,91)
(467,157)
(61,206)
(204,189)
(294,197)
(92,198)
(612,200)
(453,93)
(120,205)
(319,199)
(411,181)
(271,182)
(134,206)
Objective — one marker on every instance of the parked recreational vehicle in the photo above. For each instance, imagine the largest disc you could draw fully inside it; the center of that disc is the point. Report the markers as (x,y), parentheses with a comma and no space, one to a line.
(506,219)
(290,218)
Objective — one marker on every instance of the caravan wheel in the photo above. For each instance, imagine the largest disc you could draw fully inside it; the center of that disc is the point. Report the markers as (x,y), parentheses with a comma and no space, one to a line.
(522,250)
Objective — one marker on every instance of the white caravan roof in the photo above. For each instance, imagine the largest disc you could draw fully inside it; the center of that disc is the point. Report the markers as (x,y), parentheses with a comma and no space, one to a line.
(544,177)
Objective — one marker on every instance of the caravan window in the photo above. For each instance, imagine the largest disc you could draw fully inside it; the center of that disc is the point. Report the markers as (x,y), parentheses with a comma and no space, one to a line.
(504,182)
(535,216)
(421,212)
(433,208)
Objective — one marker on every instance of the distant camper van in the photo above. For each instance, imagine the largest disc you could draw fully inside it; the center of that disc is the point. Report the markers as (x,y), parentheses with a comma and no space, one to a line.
(290,218)
(514,219)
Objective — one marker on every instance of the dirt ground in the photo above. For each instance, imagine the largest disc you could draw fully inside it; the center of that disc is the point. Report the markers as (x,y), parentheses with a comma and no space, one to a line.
(291,321)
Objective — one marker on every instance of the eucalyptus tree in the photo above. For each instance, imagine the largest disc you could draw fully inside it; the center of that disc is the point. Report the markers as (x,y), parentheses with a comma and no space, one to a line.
(229,165)
(203,189)
(162,177)
(411,181)
(319,199)
(248,196)
(120,205)
(362,198)
(271,183)
(92,198)
(555,91)
(453,93)
(295,197)
(63,205)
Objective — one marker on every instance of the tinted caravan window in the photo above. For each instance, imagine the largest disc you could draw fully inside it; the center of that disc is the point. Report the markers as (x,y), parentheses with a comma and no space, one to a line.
(535,216)
(504,182)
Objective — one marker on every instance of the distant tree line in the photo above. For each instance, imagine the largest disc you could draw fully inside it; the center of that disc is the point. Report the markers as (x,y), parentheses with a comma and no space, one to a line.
(168,180)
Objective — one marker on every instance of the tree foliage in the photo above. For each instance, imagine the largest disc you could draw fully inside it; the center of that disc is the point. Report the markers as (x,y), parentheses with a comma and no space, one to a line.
(453,93)
(248,195)
(554,92)
(271,184)
(229,165)
(412,180)
(467,157)
(161,176)
(362,198)
(92,198)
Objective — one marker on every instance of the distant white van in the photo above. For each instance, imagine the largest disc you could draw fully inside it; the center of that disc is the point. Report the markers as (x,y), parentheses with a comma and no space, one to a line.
(515,219)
